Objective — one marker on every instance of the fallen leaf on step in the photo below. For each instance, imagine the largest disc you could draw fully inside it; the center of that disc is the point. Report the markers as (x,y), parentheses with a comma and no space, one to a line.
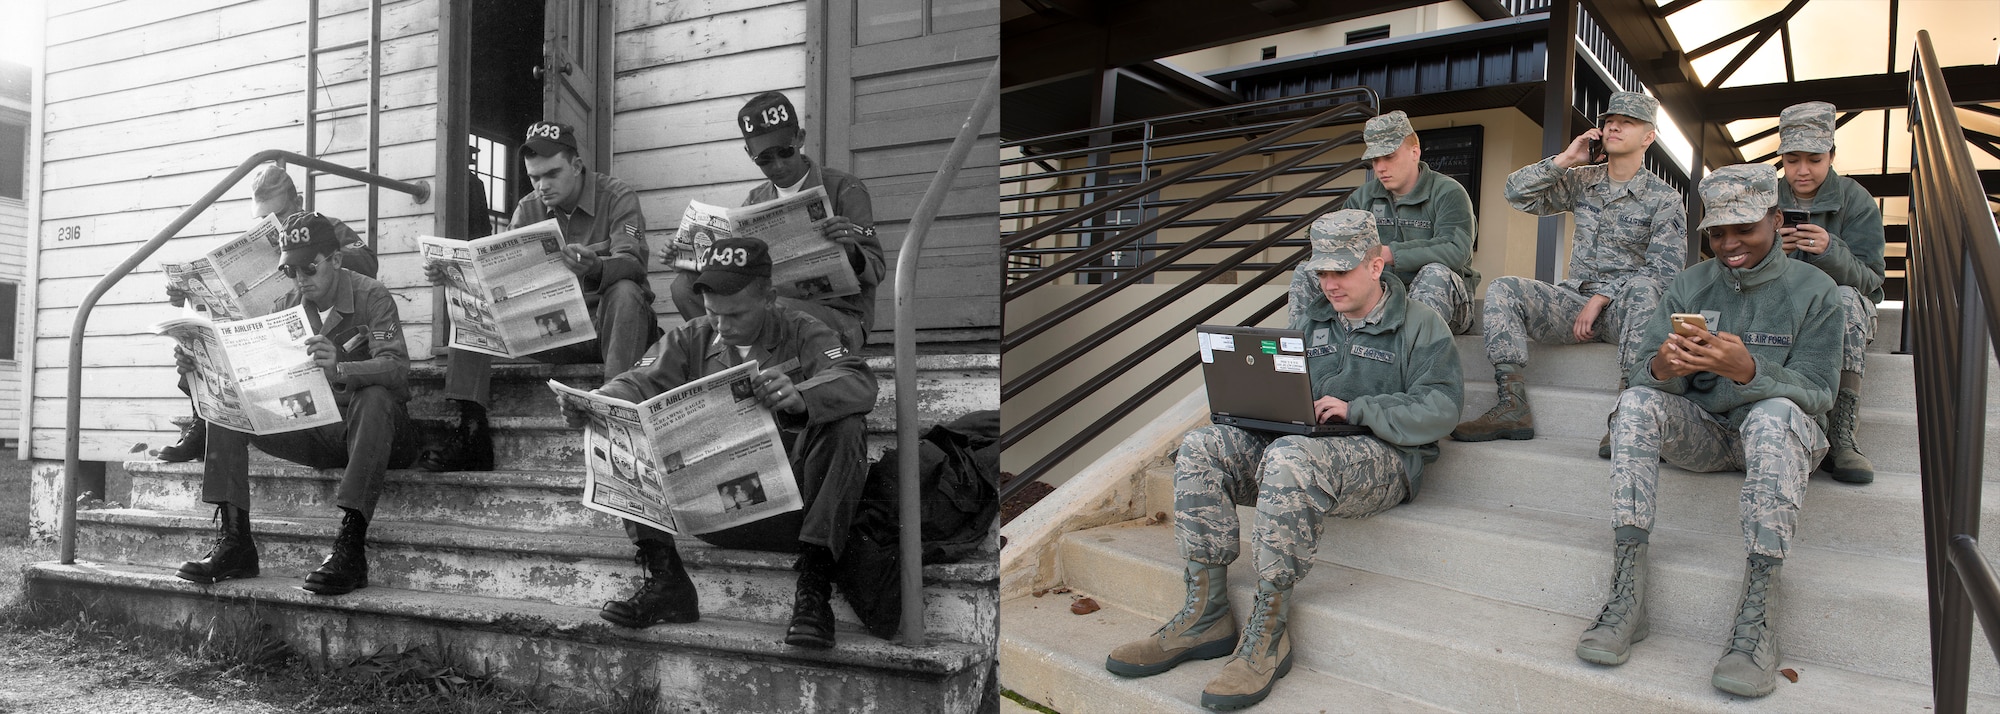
(1041,592)
(1060,589)
(136,448)
(1788,672)
(1083,606)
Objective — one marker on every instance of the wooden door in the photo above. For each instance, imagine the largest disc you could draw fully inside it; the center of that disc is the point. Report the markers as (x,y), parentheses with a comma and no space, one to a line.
(576,44)
(894,84)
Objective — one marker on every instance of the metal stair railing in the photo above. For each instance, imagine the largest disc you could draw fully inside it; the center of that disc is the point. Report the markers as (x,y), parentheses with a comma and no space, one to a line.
(1954,305)
(1025,255)
(73,427)
(910,504)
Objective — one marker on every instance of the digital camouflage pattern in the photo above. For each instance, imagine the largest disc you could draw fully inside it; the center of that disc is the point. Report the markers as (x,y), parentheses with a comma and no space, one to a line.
(1739,194)
(1340,240)
(1777,447)
(1519,309)
(1295,482)
(1436,286)
(1806,127)
(1631,104)
(1639,231)
(1859,315)
(1431,226)
(1385,134)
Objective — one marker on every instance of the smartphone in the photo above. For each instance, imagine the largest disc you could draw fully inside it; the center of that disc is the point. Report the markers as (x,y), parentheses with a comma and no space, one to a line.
(1691,319)
(1794,218)
(1597,155)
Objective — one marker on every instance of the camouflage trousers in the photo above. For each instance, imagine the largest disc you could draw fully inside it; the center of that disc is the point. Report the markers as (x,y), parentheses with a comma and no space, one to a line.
(1859,314)
(1435,285)
(1519,309)
(1777,447)
(1294,481)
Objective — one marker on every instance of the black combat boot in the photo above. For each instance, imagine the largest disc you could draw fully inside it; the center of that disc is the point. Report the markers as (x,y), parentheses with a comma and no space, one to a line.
(812,607)
(470,446)
(346,570)
(193,443)
(234,554)
(667,596)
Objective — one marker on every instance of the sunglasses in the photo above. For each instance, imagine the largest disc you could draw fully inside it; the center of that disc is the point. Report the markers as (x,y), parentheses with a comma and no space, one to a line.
(294,271)
(775,153)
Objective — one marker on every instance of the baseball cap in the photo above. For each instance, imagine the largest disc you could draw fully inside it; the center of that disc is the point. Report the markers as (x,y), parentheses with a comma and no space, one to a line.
(1385,134)
(767,120)
(1734,195)
(1806,127)
(546,138)
(732,264)
(1631,104)
(1341,239)
(306,237)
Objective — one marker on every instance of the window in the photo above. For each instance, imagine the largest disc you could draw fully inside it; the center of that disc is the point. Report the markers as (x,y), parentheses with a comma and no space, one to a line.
(1268,52)
(1368,35)
(7,329)
(13,156)
(491,159)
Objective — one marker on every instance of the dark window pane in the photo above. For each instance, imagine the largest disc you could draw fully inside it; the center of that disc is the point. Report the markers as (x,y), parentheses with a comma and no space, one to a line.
(7,336)
(13,152)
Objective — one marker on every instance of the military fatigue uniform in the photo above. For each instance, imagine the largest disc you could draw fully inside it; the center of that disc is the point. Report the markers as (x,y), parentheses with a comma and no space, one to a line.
(827,444)
(1430,233)
(606,220)
(371,387)
(1853,256)
(1627,246)
(1400,375)
(850,316)
(1788,318)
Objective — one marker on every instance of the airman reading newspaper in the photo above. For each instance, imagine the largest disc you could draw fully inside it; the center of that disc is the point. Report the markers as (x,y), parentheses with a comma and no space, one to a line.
(509,294)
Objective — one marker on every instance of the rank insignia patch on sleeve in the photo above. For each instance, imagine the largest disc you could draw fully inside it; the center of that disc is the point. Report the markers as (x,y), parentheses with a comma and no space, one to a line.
(836,352)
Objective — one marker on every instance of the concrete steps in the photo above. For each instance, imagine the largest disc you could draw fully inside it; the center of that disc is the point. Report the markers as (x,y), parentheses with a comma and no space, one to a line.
(507,569)
(567,653)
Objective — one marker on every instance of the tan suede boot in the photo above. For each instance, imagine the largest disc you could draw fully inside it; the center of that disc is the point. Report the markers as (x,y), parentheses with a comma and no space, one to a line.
(1623,619)
(1510,418)
(1749,668)
(1204,629)
(1264,657)
(1844,461)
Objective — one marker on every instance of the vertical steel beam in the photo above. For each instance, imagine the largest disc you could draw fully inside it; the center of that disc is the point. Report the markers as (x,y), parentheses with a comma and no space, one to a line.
(1558,89)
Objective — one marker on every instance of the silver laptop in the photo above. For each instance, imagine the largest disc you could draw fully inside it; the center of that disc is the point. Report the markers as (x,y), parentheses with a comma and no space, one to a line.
(1257,379)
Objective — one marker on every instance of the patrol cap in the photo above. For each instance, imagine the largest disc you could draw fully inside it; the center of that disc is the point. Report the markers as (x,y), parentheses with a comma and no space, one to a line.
(547,138)
(1734,195)
(1631,104)
(1341,240)
(306,237)
(768,120)
(732,264)
(1385,134)
(1806,127)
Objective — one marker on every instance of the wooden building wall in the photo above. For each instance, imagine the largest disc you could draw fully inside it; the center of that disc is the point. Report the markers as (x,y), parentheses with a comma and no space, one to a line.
(148,105)
(13,269)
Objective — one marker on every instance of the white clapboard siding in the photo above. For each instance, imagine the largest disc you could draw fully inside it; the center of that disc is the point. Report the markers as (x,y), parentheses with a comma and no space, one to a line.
(148,104)
(683,69)
(13,269)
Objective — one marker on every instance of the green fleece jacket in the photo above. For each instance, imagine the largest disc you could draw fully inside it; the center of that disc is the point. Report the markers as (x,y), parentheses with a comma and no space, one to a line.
(1432,224)
(1788,315)
(1854,256)
(1398,374)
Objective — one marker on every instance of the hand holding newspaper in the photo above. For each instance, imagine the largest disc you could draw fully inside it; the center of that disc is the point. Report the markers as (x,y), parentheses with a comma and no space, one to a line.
(696,459)
(254,376)
(239,279)
(510,294)
(804,264)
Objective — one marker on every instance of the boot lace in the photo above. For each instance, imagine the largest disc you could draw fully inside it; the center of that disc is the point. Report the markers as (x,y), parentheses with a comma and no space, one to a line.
(1750,624)
(1618,609)
(1259,628)
(1844,416)
(1189,608)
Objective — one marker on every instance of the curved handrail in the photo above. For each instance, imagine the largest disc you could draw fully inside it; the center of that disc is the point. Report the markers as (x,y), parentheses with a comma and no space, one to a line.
(910,510)
(73,427)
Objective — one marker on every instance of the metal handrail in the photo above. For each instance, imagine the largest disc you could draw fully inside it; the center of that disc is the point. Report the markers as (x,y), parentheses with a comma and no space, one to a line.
(1202,114)
(1954,305)
(73,428)
(910,509)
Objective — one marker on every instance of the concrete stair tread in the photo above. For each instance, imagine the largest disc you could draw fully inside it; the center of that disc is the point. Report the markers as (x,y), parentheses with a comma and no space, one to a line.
(1057,659)
(607,543)
(527,370)
(543,620)
(280,468)
(1383,630)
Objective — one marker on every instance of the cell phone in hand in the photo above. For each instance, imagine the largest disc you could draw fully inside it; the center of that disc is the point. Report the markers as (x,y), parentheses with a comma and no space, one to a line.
(1597,155)
(1795,218)
(1693,320)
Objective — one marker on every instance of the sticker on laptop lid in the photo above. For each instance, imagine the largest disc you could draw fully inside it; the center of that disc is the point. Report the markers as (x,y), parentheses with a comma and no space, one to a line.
(1270,347)
(1221,342)
(1289,363)
(1291,344)
(1207,354)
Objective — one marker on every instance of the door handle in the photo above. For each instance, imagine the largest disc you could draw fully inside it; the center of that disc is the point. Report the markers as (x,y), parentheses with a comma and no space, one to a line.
(541,72)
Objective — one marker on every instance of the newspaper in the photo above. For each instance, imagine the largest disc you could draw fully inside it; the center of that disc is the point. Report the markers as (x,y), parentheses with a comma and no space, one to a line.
(239,279)
(804,264)
(254,375)
(697,459)
(509,294)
